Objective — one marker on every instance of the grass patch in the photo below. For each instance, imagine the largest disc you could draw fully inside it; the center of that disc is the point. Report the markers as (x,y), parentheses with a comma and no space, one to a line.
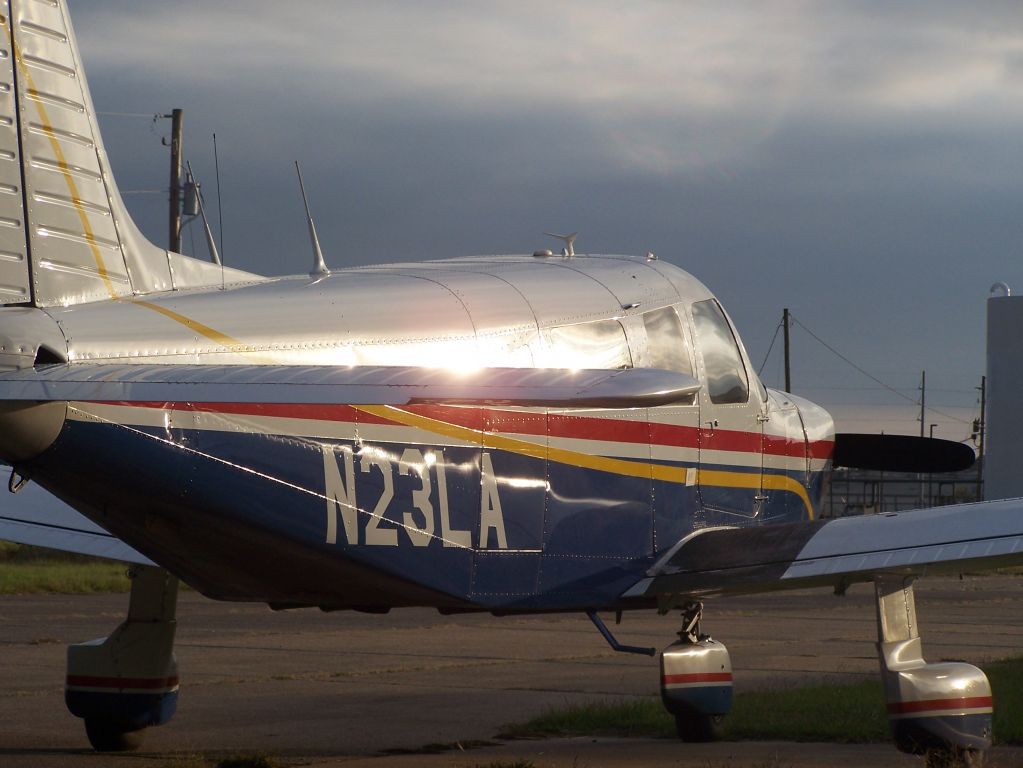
(27,570)
(62,577)
(642,717)
(838,714)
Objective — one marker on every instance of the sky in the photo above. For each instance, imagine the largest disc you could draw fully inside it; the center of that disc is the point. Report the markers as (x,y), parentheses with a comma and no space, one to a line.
(857,162)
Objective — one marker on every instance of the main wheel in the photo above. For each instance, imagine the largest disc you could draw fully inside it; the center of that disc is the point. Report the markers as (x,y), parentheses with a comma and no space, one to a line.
(108,736)
(700,728)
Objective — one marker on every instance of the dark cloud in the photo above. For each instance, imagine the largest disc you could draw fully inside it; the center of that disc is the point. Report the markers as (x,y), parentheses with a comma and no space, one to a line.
(855,162)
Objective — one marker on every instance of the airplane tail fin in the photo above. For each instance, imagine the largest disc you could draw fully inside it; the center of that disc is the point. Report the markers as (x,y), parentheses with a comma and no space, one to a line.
(65,234)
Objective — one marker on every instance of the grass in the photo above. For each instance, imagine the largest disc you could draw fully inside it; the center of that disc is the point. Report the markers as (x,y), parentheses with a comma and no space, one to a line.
(854,714)
(26,570)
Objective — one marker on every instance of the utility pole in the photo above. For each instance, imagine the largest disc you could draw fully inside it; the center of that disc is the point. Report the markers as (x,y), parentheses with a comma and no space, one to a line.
(923,424)
(980,443)
(785,327)
(923,401)
(174,239)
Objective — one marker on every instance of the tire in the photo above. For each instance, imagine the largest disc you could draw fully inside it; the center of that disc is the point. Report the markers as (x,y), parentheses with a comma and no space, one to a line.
(107,736)
(700,728)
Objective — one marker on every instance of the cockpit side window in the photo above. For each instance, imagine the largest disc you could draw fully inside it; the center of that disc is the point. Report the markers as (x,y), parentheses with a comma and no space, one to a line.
(726,376)
(600,344)
(666,345)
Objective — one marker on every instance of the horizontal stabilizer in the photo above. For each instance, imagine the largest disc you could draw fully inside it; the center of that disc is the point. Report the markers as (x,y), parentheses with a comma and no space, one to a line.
(901,453)
(837,552)
(632,387)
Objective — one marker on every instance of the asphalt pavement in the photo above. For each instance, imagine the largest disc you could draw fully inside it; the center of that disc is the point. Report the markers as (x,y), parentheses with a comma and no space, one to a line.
(371,691)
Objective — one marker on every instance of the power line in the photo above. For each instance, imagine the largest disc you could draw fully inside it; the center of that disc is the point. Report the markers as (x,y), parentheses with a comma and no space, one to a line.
(147,115)
(774,338)
(869,375)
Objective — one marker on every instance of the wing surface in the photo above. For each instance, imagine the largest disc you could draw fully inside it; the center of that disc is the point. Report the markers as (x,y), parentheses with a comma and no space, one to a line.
(837,552)
(37,518)
(631,387)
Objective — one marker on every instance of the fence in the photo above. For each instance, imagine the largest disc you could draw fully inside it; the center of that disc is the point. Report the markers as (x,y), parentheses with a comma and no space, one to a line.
(858,492)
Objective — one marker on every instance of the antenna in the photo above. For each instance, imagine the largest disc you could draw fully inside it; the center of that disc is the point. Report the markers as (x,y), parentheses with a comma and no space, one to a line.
(210,243)
(319,267)
(220,207)
(568,250)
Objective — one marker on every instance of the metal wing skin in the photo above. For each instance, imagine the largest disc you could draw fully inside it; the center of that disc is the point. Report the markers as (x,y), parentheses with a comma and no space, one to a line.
(37,518)
(838,552)
(397,385)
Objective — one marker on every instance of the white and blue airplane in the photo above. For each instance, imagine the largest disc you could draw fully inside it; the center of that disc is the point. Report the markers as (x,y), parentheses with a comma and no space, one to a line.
(513,434)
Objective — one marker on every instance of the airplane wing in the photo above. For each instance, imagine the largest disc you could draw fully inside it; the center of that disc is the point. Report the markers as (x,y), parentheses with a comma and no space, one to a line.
(35,517)
(378,385)
(838,552)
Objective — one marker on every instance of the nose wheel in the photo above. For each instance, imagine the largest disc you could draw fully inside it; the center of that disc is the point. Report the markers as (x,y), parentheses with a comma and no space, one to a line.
(696,680)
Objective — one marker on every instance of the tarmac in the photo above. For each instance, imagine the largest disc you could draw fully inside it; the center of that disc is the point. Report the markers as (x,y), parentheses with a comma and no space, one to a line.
(370,691)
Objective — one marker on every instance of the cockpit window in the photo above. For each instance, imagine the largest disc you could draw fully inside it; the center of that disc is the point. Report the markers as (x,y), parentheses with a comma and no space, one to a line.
(666,346)
(600,344)
(726,375)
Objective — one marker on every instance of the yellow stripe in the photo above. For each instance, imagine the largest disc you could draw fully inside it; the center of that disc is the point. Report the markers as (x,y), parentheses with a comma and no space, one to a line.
(194,325)
(721,479)
(44,118)
(715,478)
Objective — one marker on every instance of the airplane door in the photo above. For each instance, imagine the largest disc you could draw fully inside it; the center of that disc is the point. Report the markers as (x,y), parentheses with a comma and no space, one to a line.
(661,339)
(732,415)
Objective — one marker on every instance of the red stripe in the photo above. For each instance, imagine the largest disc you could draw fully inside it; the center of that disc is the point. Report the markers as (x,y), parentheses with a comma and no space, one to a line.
(910,707)
(782,446)
(462,416)
(589,428)
(525,423)
(698,677)
(146,683)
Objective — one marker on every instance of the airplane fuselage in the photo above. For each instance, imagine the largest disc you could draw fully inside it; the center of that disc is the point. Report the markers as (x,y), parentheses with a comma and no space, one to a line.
(463,507)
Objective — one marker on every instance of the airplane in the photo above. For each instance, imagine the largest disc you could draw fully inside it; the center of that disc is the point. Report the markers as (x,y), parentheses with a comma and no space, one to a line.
(546,432)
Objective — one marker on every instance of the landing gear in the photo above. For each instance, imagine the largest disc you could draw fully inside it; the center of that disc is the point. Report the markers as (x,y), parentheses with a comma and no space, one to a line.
(122,684)
(941,711)
(109,736)
(696,680)
(699,729)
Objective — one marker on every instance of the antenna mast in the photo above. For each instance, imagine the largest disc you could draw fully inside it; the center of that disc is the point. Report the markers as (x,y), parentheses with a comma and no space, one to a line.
(569,249)
(319,266)
(210,242)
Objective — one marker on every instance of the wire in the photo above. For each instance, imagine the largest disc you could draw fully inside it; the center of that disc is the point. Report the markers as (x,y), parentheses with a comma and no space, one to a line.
(870,376)
(147,115)
(774,338)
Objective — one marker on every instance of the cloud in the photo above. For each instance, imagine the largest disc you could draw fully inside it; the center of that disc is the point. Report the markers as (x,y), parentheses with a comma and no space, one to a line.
(806,153)
(655,87)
